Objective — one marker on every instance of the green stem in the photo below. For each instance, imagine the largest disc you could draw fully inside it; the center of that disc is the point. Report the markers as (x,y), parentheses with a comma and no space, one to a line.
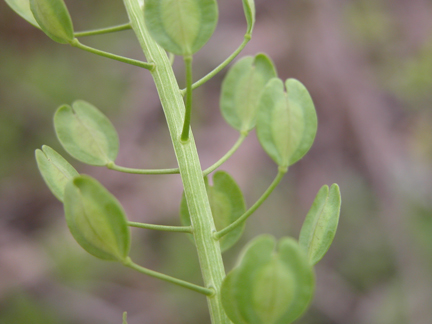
(202,290)
(113,166)
(218,235)
(226,156)
(103,30)
(148,66)
(187,118)
(208,249)
(180,229)
(221,66)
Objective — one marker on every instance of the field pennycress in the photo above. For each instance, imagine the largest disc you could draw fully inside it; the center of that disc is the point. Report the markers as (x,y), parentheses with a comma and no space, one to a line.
(273,282)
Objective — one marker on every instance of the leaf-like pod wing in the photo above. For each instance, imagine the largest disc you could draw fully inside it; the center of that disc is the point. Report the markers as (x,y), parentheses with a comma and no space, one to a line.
(22,8)
(299,97)
(55,170)
(181,27)
(53,18)
(96,219)
(319,227)
(242,89)
(86,133)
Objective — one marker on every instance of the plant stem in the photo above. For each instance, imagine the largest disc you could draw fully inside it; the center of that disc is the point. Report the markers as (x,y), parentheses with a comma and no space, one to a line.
(187,118)
(208,249)
(226,156)
(180,229)
(148,66)
(218,235)
(221,66)
(202,290)
(113,166)
(103,30)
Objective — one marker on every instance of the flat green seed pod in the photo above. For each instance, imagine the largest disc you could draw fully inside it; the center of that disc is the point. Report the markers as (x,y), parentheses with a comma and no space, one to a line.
(227,204)
(53,18)
(268,286)
(96,219)
(249,10)
(181,27)
(298,96)
(22,8)
(319,227)
(242,89)
(55,170)
(86,133)
(287,121)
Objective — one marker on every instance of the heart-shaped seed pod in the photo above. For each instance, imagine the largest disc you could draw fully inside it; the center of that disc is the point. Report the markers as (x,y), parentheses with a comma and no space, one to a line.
(268,286)
(86,133)
(287,121)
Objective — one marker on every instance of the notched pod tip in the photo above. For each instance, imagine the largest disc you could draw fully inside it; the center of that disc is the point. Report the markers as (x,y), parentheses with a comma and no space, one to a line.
(55,170)
(86,133)
(287,121)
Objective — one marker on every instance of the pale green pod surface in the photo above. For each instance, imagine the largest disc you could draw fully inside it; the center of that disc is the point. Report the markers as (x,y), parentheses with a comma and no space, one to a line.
(227,204)
(22,8)
(319,227)
(86,133)
(181,27)
(268,286)
(287,122)
(249,10)
(300,100)
(55,170)
(292,255)
(237,287)
(242,89)
(96,219)
(54,19)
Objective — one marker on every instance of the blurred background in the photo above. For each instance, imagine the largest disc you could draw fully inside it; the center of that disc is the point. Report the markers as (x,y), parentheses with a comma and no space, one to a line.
(368,67)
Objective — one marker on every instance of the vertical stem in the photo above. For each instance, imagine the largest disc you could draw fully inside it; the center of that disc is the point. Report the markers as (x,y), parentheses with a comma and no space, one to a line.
(187,118)
(208,248)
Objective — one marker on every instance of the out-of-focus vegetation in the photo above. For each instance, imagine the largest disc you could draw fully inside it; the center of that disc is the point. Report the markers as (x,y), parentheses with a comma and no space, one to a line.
(368,66)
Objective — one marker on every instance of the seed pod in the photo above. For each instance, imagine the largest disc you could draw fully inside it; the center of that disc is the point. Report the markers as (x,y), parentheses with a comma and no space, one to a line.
(54,19)
(319,227)
(227,204)
(287,121)
(22,8)
(181,27)
(96,219)
(268,286)
(86,133)
(242,89)
(55,170)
